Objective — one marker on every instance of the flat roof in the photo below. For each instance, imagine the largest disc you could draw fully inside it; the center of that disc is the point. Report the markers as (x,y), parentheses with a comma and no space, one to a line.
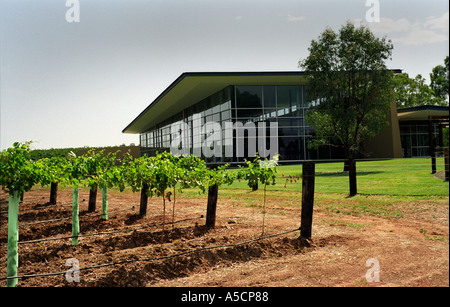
(421,112)
(192,87)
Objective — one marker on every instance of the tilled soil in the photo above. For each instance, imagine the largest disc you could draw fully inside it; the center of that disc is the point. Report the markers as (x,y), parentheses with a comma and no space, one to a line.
(137,251)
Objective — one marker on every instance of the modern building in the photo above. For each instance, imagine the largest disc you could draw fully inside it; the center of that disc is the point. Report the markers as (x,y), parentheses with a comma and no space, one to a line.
(267,108)
(417,125)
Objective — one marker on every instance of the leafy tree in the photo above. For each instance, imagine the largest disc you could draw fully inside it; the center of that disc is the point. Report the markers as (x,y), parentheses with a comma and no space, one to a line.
(414,92)
(440,80)
(350,88)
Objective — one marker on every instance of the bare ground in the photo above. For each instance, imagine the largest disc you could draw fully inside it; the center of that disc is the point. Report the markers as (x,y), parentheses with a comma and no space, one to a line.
(412,250)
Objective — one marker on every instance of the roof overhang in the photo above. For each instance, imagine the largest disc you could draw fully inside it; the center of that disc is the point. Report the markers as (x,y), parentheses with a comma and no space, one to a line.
(192,87)
(421,113)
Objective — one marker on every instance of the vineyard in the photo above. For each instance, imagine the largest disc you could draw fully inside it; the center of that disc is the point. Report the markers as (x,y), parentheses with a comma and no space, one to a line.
(159,222)
(162,176)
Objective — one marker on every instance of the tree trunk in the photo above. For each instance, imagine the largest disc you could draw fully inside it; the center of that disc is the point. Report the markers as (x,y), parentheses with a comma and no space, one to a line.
(92,198)
(144,200)
(53,193)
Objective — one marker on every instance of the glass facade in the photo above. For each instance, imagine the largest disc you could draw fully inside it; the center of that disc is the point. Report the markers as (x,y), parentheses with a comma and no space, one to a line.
(416,139)
(250,106)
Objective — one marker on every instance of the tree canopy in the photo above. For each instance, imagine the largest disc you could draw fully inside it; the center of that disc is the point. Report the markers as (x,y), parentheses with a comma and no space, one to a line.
(411,92)
(349,86)
(440,80)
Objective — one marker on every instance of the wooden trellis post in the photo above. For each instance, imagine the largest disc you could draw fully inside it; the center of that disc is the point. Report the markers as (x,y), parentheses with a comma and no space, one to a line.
(307,199)
(446,163)
(211,207)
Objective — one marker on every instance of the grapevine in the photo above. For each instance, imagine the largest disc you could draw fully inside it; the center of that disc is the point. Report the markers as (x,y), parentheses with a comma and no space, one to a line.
(161,176)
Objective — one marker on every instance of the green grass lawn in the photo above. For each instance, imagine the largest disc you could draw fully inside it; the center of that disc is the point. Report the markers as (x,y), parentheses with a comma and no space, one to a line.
(384,187)
(407,177)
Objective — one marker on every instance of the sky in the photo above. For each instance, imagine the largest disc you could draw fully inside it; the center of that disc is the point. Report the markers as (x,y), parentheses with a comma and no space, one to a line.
(76,73)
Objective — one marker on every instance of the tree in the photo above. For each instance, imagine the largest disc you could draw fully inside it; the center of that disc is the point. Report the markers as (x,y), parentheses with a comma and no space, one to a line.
(440,80)
(351,88)
(414,92)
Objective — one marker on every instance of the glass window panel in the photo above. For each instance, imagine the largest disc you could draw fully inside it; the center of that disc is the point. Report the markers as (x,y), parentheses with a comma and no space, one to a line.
(285,122)
(215,99)
(198,122)
(404,129)
(423,139)
(269,96)
(293,112)
(304,96)
(290,148)
(216,109)
(286,131)
(422,129)
(247,120)
(226,115)
(281,112)
(150,139)
(288,95)
(208,111)
(249,112)
(268,113)
(424,151)
(225,106)
(249,96)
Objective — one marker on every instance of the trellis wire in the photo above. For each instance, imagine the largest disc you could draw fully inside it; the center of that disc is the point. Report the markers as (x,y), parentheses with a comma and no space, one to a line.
(154,258)
(105,232)
(68,218)
(44,206)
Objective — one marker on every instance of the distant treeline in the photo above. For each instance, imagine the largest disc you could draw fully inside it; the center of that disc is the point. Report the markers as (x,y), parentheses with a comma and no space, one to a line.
(37,154)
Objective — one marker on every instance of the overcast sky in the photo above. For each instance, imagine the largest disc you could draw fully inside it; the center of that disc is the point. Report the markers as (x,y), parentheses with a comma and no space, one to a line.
(80,83)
